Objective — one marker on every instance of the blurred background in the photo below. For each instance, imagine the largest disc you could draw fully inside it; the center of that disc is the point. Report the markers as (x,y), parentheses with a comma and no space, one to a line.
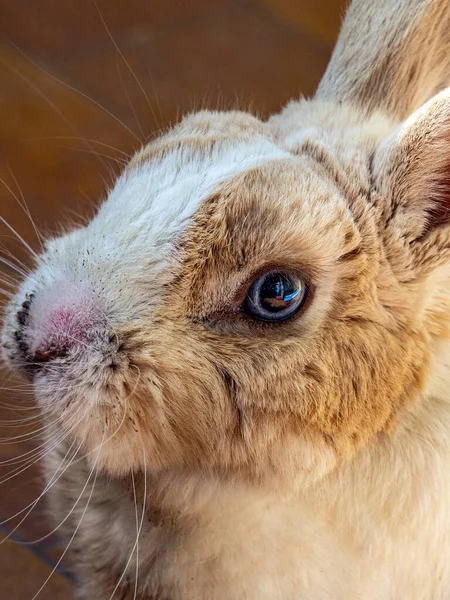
(82,85)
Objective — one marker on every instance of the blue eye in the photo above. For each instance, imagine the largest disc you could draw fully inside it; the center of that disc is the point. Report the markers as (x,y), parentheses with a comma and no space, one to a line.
(275,296)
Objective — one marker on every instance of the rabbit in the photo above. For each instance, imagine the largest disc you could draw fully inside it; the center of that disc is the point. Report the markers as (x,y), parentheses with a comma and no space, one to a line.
(243,359)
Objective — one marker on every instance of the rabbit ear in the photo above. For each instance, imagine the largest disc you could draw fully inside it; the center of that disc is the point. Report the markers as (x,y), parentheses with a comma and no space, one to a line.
(411,188)
(411,170)
(391,55)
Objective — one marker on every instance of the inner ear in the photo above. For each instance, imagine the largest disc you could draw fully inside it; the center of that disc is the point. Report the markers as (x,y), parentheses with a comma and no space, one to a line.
(412,170)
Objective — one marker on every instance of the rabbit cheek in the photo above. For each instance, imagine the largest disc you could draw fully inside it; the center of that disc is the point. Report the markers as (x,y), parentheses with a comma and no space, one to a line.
(367,379)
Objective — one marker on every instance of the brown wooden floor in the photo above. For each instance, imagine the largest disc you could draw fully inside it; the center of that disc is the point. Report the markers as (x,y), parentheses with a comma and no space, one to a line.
(80,85)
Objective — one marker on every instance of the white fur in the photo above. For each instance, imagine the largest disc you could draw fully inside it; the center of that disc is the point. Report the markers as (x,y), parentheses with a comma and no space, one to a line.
(161,196)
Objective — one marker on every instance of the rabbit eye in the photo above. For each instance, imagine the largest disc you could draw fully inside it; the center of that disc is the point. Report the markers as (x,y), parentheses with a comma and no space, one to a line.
(275,296)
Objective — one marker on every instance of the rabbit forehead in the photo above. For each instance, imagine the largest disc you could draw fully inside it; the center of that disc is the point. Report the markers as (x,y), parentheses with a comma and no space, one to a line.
(165,185)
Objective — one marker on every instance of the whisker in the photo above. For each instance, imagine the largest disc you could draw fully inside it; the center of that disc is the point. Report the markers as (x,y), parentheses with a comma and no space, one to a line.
(85,455)
(126,155)
(160,121)
(38,456)
(41,495)
(144,510)
(120,161)
(138,532)
(26,421)
(4,278)
(47,99)
(127,96)
(13,266)
(119,51)
(23,437)
(137,535)
(123,418)
(6,293)
(76,529)
(20,409)
(68,86)
(19,388)
(47,535)
(24,205)
(19,422)
(55,477)
(14,258)
(19,237)
(8,279)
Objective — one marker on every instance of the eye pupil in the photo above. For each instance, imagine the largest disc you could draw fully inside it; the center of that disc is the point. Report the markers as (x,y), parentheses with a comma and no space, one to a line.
(277,292)
(275,296)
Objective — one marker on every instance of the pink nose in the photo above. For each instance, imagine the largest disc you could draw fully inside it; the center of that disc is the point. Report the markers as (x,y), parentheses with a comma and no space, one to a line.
(58,321)
(63,329)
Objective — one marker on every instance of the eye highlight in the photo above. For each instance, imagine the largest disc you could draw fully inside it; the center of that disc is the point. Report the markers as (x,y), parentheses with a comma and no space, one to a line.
(275,296)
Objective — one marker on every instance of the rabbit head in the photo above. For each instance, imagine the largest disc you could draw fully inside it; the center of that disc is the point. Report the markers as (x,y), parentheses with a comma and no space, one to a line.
(259,299)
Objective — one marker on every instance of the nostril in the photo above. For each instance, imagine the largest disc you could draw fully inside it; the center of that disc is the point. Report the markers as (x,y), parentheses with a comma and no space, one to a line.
(42,356)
